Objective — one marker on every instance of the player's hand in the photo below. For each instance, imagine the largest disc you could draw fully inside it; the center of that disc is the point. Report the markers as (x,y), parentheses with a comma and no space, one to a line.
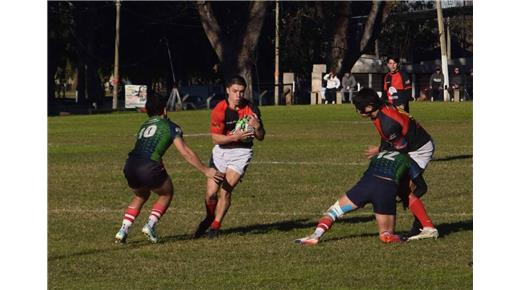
(371,151)
(254,121)
(241,135)
(214,174)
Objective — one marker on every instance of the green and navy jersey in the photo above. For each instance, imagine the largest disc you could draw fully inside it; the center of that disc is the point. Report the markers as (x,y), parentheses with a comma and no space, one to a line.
(155,137)
(389,164)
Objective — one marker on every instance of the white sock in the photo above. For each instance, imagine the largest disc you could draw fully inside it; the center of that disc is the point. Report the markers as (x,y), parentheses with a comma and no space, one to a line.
(318,232)
(126,225)
(152,220)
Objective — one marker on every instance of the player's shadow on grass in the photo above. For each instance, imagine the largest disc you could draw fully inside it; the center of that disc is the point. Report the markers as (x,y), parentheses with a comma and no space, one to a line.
(456,157)
(126,247)
(285,225)
(444,229)
(454,227)
(289,225)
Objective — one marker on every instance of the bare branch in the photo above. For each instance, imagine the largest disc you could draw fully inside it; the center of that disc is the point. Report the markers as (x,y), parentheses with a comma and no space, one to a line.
(339,42)
(212,28)
(369,25)
(253,29)
(375,21)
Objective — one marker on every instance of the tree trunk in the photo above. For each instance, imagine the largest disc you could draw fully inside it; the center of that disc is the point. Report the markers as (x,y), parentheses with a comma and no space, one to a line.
(80,87)
(235,54)
(372,28)
(90,88)
(52,66)
(339,42)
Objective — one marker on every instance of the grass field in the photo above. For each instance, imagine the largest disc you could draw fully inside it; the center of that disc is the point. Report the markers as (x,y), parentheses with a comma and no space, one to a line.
(311,155)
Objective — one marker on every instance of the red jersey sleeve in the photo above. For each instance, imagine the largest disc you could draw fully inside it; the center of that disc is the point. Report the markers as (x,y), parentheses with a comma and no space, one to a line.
(392,126)
(217,124)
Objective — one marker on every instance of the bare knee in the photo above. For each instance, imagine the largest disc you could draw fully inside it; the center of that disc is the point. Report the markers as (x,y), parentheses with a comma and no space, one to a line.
(166,189)
(224,194)
(142,193)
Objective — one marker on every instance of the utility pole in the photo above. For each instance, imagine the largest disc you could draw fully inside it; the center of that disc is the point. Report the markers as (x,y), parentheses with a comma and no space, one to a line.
(116,58)
(448,38)
(277,54)
(442,36)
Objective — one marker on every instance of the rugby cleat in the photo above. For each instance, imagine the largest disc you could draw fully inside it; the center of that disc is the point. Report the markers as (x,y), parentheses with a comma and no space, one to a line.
(388,238)
(203,226)
(150,233)
(311,240)
(121,237)
(426,233)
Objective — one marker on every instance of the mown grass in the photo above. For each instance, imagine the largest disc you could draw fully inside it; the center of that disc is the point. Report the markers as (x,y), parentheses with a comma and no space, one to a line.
(311,155)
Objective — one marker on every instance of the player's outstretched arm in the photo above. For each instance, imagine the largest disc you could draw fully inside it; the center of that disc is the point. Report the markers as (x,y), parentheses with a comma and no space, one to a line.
(371,151)
(194,160)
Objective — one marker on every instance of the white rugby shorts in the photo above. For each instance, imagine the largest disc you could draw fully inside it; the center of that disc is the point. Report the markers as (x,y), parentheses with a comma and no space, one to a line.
(423,155)
(236,159)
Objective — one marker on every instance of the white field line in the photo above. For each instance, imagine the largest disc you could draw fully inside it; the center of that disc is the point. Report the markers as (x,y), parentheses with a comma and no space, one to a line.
(186,212)
(308,163)
(302,163)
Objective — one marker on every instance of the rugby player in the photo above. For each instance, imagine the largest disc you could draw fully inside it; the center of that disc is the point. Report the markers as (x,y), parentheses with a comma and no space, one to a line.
(400,132)
(379,186)
(145,172)
(397,86)
(232,152)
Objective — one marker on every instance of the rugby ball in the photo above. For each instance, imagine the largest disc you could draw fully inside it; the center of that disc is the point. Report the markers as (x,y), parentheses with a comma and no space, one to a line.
(243,126)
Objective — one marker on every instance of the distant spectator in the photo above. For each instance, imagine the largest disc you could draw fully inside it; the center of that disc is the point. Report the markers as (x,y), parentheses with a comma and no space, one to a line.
(423,95)
(348,83)
(142,94)
(437,85)
(456,88)
(397,86)
(331,88)
(60,82)
(70,82)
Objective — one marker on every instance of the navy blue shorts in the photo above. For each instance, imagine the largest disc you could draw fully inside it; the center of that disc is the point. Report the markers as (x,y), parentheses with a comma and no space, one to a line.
(379,192)
(144,173)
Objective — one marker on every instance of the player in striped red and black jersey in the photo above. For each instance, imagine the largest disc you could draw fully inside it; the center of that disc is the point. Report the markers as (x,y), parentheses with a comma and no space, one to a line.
(397,86)
(400,132)
(235,122)
(145,172)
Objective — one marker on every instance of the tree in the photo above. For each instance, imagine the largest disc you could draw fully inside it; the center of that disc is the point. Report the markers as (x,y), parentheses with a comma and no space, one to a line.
(75,38)
(89,47)
(233,42)
(336,33)
(407,35)
(59,37)
(349,44)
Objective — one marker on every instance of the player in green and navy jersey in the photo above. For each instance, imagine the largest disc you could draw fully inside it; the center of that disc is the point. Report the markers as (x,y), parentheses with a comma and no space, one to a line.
(145,172)
(379,186)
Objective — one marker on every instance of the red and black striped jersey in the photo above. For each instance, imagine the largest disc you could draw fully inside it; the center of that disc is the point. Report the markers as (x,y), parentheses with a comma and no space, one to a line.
(399,131)
(224,119)
(401,82)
